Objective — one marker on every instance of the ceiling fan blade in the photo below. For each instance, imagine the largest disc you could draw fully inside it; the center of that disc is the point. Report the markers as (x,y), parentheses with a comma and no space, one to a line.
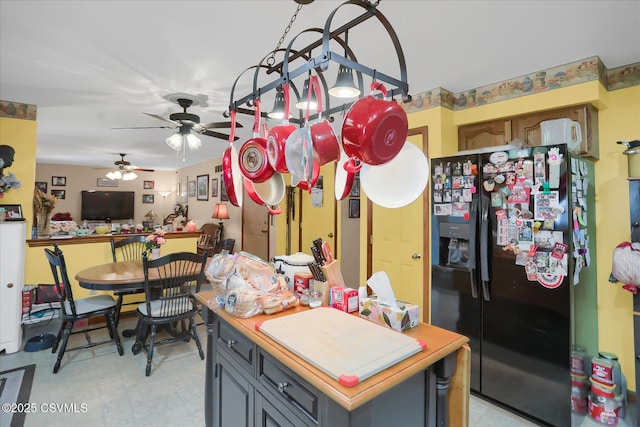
(162,118)
(218,135)
(219,125)
(149,127)
(143,170)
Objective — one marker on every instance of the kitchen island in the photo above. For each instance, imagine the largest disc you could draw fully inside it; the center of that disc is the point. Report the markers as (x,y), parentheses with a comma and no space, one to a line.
(253,380)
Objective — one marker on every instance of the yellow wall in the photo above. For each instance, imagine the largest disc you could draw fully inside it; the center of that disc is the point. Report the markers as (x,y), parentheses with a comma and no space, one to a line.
(619,120)
(21,135)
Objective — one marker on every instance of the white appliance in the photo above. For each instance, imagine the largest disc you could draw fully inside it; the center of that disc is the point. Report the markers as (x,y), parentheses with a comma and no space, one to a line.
(12,258)
(562,131)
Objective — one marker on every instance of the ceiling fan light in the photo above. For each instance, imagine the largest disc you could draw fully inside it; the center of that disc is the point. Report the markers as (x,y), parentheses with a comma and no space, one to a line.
(192,141)
(128,176)
(344,87)
(302,102)
(175,141)
(111,175)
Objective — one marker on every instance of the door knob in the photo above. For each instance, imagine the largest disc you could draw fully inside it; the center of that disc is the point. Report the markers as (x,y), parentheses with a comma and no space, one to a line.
(263,231)
(416,256)
(330,235)
(9,285)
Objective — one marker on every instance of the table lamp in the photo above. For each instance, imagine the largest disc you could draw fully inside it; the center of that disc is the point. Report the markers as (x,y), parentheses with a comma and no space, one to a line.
(220,212)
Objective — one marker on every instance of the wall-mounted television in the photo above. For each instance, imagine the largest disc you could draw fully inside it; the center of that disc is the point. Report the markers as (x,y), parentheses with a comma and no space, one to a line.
(107,205)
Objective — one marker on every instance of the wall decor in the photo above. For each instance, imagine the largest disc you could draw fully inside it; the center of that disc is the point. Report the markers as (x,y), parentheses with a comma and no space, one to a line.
(59,181)
(10,212)
(148,185)
(214,187)
(223,190)
(106,182)
(184,184)
(355,188)
(148,198)
(58,194)
(354,208)
(192,189)
(203,187)
(42,186)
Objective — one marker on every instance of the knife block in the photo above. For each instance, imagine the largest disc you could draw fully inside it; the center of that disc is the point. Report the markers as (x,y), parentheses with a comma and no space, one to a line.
(333,274)
(322,286)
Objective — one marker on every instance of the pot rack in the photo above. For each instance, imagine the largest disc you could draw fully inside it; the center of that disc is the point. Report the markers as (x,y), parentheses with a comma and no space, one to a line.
(396,86)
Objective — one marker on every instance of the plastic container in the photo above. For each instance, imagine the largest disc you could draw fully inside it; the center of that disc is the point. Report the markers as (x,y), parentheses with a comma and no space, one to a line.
(603,407)
(579,395)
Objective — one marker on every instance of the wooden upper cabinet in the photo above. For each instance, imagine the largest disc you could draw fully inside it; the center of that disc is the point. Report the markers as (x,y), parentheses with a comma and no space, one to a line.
(485,134)
(527,128)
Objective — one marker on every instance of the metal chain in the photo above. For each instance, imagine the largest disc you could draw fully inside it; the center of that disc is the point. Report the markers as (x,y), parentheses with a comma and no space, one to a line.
(271,59)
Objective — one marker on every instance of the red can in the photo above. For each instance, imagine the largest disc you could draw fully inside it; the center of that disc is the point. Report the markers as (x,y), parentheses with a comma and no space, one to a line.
(302,280)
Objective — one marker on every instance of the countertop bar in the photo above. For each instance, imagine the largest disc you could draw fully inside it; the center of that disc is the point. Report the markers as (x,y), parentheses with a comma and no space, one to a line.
(98,238)
(440,343)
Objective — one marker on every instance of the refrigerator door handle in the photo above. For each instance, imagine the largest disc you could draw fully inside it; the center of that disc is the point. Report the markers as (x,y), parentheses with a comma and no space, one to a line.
(484,247)
(474,286)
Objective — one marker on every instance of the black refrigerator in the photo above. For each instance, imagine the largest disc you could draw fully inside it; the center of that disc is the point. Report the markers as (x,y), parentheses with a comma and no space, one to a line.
(505,258)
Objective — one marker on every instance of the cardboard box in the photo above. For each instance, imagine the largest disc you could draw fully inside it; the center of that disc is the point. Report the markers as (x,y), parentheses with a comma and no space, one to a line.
(344,298)
(400,318)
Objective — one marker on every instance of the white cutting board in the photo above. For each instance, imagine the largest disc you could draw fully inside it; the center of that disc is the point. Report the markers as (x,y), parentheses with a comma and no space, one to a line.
(345,347)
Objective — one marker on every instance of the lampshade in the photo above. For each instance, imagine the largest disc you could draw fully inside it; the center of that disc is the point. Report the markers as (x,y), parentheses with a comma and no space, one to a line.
(278,107)
(164,193)
(302,102)
(123,175)
(220,212)
(151,215)
(177,140)
(344,87)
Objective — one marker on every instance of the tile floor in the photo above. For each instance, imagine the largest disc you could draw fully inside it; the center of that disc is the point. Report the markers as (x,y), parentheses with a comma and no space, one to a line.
(109,390)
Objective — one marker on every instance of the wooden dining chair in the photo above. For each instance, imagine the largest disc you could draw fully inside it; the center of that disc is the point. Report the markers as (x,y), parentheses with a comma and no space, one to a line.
(73,310)
(127,249)
(168,284)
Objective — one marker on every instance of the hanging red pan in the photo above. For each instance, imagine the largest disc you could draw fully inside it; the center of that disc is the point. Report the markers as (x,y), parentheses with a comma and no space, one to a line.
(253,153)
(374,130)
(231,173)
(278,135)
(268,193)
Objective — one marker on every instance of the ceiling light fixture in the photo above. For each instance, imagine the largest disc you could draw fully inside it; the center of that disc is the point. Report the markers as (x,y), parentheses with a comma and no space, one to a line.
(182,139)
(304,98)
(344,87)
(278,107)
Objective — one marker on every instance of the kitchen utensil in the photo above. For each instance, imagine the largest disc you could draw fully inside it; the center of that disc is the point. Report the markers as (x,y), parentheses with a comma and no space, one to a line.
(277,139)
(562,131)
(231,173)
(410,168)
(344,179)
(325,142)
(317,255)
(253,156)
(268,193)
(326,252)
(374,130)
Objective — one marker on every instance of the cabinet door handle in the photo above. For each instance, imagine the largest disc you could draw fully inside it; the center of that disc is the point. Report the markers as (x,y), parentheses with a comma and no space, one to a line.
(282,386)
(9,285)
(416,256)
(230,343)
(330,235)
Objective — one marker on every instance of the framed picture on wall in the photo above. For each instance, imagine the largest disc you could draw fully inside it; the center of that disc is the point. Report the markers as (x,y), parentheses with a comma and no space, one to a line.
(192,189)
(223,190)
(42,186)
(214,187)
(203,187)
(147,198)
(148,185)
(59,181)
(354,208)
(11,212)
(106,182)
(58,194)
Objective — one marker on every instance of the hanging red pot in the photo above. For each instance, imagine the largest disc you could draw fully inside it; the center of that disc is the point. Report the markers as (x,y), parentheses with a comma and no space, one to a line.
(277,139)
(253,153)
(231,173)
(374,130)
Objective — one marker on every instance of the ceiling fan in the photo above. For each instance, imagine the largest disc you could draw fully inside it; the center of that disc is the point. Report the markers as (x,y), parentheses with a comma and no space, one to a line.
(124,170)
(184,122)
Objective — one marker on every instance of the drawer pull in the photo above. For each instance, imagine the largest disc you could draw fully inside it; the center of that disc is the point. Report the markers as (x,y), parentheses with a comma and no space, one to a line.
(282,386)
(230,343)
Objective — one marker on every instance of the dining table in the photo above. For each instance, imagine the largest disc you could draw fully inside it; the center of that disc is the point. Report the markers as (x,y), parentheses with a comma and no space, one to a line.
(116,276)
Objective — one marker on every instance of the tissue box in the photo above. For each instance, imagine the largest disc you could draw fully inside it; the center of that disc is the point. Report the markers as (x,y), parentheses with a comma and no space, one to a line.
(344,298)
(400,318)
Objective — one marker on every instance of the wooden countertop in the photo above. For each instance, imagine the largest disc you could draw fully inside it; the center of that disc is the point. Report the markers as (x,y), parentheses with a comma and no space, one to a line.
(440,343)
(98,238)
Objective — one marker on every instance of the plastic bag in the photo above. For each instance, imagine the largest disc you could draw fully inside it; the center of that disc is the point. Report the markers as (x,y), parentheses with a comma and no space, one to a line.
(626,265)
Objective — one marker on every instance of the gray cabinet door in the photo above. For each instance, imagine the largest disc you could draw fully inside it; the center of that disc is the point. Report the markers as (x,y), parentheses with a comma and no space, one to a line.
(233,398)
(268,416)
